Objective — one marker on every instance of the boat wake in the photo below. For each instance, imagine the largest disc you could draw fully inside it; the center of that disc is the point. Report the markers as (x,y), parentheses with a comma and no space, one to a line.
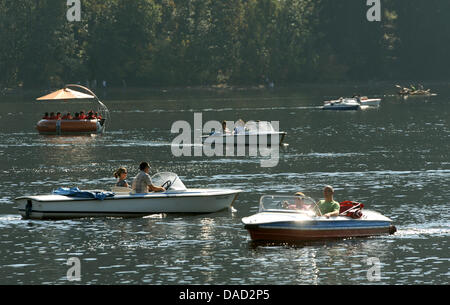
(421,231)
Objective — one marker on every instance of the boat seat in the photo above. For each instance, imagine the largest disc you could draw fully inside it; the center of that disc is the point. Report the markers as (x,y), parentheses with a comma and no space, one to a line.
(120,189)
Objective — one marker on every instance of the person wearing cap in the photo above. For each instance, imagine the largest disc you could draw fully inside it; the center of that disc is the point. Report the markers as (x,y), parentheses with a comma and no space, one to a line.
(328,207)
(298,202)
(142,183)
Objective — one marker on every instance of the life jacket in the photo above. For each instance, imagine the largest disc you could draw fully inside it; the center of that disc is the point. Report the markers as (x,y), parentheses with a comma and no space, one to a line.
(351,209)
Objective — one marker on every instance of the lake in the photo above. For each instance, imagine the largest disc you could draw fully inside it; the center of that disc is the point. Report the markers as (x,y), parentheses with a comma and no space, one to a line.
(394,158)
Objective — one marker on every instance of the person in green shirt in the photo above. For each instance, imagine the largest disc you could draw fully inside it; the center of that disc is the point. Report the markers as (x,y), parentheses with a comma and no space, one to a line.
(328,207)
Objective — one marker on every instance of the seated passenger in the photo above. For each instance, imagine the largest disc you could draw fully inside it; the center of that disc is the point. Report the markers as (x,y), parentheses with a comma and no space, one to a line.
(98,116)
(240,127)
(225,129)
(298,202)
(90,115)
(45,117)
(142,183)
(67,116)
(82,116)
(52,116)
(328,207)
(77,116)
(121,174)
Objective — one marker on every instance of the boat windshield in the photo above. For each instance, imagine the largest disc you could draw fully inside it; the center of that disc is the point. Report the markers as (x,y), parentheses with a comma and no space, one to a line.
(174,184)
(278,203)
(259,127)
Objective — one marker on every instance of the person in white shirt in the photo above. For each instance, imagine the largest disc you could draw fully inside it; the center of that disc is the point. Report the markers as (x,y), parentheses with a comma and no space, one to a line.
(142,183)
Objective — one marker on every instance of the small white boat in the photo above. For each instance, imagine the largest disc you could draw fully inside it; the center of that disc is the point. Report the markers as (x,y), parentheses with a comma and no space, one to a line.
(292,218)
(342,104)
(250,133)
(351,103)
(123,203)
(374,102)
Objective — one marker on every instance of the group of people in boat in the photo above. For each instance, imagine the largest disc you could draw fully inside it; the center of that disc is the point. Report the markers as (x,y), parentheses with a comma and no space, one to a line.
(239,127)
(91,115)
(142,183)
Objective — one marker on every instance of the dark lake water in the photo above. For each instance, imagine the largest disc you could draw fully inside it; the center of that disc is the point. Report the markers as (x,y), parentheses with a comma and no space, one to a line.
(395,159)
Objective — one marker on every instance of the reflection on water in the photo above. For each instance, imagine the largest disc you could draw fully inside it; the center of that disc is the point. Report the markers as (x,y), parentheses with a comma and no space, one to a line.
(393,158)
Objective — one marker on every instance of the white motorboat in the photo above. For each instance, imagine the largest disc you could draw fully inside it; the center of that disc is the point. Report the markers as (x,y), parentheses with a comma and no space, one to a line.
(250,133)
(123,203)
(293,218)
(351,103)
(342,104)
(365,101)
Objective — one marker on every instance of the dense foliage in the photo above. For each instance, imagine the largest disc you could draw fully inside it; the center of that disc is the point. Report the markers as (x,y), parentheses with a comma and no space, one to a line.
(204,42)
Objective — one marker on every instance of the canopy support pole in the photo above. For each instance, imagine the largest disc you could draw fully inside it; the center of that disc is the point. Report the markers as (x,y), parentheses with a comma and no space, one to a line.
(102,109)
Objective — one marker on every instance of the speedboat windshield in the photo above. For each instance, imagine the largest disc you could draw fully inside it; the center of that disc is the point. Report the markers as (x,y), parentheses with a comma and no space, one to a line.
(259,127)
(170,181)
(278,203)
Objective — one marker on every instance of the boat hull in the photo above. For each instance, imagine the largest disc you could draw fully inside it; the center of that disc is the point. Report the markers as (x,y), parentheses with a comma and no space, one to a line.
(261,233)
(56,127)
(291,227)
(245,139)
(126,205)
(341,107)
(371,102)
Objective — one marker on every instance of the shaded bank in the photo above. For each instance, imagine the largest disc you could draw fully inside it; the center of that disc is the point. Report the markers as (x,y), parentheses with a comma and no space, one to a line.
(172,43)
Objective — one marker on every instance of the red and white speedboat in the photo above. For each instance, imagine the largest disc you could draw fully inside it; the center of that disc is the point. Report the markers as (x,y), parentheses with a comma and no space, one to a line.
(292,218)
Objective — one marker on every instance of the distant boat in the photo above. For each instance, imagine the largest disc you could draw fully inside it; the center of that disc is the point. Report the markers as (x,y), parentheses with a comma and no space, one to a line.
(71,126)
(250,133)
(365,101)
(58,127)
(413,91)
(342,104)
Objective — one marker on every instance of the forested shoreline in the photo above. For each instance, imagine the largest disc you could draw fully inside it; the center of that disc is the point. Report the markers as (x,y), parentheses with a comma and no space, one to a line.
(209,42)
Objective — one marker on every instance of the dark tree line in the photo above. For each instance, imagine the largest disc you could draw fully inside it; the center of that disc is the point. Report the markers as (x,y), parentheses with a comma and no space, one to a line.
(204,42)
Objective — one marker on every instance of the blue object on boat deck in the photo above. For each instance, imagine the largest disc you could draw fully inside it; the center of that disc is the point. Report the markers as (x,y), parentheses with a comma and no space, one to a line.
(76,192)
